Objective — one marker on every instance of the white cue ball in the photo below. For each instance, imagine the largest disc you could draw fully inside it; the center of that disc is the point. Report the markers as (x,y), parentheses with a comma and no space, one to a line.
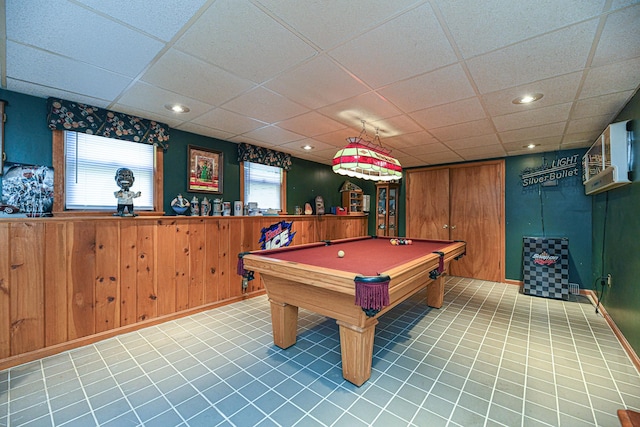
(340,254)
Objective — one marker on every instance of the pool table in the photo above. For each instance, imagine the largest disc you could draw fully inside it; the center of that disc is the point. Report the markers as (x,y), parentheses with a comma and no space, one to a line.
(371,278)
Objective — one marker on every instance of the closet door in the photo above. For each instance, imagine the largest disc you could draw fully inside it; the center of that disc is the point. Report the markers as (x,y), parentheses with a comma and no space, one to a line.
(461,202)
(476,216)
(428,204)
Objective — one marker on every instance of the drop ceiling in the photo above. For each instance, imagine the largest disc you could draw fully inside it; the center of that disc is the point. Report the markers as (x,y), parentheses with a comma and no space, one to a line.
(435,78)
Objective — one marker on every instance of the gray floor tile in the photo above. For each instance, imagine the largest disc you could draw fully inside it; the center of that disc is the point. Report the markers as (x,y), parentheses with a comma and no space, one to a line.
(490,356)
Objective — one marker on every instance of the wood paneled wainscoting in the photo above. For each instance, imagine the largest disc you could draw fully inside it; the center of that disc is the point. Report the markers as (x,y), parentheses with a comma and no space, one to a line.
(67,282)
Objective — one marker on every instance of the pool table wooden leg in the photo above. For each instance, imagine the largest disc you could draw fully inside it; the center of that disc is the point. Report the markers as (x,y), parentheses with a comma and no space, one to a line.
(356,347)
(435,292)
(284,321)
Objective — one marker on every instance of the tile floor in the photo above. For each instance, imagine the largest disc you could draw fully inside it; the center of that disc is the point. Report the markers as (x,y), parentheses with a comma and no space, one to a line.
(490,356)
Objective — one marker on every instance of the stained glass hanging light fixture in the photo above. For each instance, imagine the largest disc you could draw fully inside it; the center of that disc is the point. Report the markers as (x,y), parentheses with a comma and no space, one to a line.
(365,159)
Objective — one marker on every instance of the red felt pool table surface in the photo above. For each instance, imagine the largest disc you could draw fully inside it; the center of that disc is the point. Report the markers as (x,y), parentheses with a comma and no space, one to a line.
(367,256)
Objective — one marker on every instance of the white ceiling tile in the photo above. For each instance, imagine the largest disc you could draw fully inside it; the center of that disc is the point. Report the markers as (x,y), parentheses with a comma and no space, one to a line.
(327,26)
(554,129)
(394,126)
(481,26)
(170,120)
(561,52)
(589,124)
(476,153)
(409,140)
(206,131)
(473,142)
(297,146)
(441,157)
(240,38)
(40,91)
(581,138)
(464,130)
(314,157)
(337,138)
(550,143)
(163,20)
(154,99)
(228,121)
(369,107)
(96,40)
(617,77)
(600,105)
(273,135)
(317,83)
(438,87)
(574,145)
(411,162)
(419,150)
(556,90)
(311,124)
(408,45)
(528,151)
(265,105)
(181,73)
(530,118)
(49,70)
(620,39)
(330,151)
(446,115)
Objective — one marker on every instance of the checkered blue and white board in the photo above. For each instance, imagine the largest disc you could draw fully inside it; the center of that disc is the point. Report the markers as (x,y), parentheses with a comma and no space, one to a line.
(543,278)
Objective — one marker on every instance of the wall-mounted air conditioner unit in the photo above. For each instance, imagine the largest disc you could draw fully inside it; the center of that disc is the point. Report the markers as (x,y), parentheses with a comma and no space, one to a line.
(606,165)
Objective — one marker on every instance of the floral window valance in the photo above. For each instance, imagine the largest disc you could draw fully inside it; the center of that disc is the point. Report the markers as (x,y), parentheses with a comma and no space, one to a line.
(264,156)
(77,117)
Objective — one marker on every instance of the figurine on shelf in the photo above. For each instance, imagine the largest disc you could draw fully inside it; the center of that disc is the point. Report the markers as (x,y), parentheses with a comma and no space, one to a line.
(125,179)
(180,204)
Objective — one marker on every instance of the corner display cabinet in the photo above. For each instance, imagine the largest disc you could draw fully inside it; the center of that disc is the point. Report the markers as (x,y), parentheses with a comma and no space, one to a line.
(387,208)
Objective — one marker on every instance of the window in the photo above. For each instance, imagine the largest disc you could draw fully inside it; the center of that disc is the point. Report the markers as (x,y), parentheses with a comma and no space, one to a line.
(264,185)
(90,168)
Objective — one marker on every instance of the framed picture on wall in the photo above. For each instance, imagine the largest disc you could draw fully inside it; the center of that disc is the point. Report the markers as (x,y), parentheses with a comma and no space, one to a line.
(205,170)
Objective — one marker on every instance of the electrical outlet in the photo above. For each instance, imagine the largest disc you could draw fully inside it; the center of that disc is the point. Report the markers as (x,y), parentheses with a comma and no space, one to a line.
(609,280)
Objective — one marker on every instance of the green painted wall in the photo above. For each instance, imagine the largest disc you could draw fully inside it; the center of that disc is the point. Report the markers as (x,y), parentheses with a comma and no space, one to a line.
(28,140)
(305,180)
(535,210)
(616,241)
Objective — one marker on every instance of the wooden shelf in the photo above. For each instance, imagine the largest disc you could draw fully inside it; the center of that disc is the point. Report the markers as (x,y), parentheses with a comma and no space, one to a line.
(352,201)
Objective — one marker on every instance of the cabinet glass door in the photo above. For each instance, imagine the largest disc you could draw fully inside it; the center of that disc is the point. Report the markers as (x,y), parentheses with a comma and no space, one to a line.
(392,212)
(381,212)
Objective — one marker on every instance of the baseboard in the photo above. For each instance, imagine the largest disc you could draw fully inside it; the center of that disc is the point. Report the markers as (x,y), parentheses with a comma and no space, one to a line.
(623,341)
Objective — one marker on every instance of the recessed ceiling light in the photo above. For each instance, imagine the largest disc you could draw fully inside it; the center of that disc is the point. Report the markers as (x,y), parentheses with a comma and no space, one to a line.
(530,146)
(307,147)
(528,99)
(177,108)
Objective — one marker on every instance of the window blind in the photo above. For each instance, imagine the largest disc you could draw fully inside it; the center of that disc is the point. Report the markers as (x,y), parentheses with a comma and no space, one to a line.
(91,163)
(262,185)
